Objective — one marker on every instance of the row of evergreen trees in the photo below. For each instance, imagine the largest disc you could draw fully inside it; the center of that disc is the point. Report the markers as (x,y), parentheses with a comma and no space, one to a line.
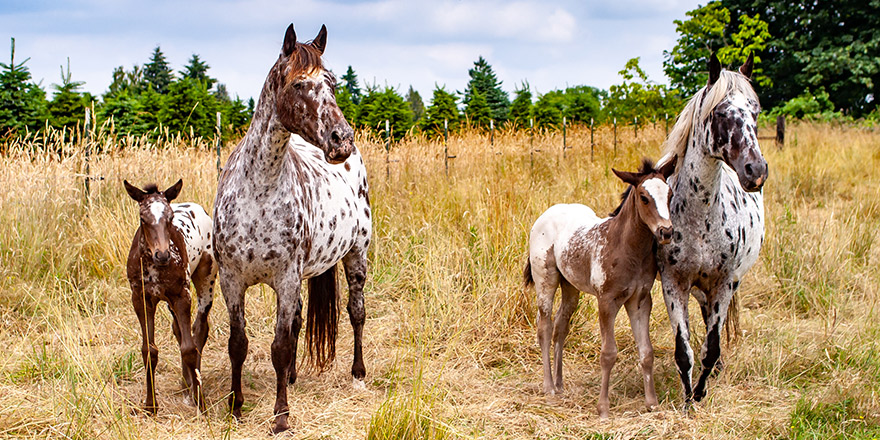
(137,102)
(483,100)
(149,96)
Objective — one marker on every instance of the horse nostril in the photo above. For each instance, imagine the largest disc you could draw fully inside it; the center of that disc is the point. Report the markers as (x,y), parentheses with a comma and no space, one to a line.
(334,136)
(749,171)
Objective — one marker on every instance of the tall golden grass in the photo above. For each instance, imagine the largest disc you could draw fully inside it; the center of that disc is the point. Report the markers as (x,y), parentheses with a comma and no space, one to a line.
(450,338)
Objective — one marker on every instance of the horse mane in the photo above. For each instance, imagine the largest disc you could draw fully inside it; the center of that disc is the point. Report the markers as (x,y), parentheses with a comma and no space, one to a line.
(151,188)
(305,60)
(698,109)
(646,168)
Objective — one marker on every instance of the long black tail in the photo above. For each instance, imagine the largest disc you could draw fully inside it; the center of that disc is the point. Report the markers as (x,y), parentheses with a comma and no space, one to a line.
(322,320)
(528,281)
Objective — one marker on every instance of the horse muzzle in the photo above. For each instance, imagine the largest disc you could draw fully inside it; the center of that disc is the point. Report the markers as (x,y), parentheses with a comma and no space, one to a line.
(340,145)
(753,175)
(162,258)
(664,234)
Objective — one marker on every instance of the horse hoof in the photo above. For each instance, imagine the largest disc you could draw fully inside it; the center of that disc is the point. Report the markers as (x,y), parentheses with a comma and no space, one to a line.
(280,425)
(358,384)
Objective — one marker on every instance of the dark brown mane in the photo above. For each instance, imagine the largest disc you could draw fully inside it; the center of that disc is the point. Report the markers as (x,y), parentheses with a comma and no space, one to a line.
(646,168)
(305,60)
(151,188)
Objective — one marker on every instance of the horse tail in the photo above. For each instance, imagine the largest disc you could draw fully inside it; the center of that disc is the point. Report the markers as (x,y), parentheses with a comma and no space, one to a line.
(528,281)
(733,317)
(322,320)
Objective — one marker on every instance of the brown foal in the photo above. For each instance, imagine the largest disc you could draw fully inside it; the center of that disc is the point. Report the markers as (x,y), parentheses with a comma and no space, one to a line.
(171,244)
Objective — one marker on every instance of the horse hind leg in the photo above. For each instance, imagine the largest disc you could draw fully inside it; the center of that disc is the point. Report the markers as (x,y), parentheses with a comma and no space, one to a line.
(203,279)
(546,279)
(146,314)
(355,264)
(570,296)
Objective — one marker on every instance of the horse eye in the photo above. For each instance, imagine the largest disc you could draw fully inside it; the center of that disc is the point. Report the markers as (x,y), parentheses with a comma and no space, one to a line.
(644,199)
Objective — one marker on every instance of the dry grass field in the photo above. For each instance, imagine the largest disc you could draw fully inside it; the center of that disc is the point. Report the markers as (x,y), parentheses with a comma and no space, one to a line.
(450,340)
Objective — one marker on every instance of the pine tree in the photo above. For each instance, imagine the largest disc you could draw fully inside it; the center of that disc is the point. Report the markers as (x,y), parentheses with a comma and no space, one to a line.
(67,107)
(521,108)
(157,74)
(22,103)
(442,108)
(484,82)
(379,106)
(345,103)
(477,111)
(188,104)
(350,80)
(198,70)
(416,105)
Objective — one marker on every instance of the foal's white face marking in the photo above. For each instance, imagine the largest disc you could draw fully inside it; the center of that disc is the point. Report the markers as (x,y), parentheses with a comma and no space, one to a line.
(157,209)
(659,191)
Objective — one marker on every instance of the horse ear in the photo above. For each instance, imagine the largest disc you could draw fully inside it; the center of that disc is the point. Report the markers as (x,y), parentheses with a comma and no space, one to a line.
(320,42)
(627,177)
(668,168)
(746,68)
(174,191)
(134,192)
(289,41)
(714,69)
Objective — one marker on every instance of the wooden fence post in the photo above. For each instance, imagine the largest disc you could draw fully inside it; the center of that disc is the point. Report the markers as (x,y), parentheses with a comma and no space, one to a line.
(87,148)
(780,131)
(636,127)
(666,117)
(564,144)
(592,143)
(387,150)
(218,135)
(615,136)
(492,132)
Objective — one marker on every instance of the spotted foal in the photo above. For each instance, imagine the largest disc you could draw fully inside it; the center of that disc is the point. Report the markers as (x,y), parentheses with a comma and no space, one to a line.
(611,258)
(171,246)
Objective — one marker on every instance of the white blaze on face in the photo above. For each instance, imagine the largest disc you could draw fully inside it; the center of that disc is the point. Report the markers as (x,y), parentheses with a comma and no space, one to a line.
(659,191)
(157,209)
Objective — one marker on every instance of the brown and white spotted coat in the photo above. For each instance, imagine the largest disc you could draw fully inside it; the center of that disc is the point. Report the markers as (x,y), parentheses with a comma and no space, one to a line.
(171,247)
(292,202)
(612,258)
(717,212)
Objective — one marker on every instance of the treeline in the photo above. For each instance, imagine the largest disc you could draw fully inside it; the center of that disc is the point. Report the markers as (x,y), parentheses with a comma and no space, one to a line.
(140,101)
(637,100)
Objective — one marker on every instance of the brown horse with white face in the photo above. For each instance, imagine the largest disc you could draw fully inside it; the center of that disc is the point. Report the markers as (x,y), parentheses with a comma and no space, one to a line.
(171,246)
(292,203)
(611,258)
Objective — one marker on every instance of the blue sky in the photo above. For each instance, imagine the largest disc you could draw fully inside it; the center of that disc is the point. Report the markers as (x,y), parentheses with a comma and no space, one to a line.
(552,44)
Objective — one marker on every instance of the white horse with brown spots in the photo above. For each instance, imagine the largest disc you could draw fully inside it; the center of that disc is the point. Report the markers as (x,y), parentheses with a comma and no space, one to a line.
(611,258)
(717,211)
(292,202)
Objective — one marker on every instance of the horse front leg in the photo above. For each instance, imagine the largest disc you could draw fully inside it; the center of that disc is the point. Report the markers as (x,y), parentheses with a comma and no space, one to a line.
(233,294)
(639,310)
(717,304)
(676,298)
(607,315)
(145,310)
(288,299)
(190,359)
(355,263)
